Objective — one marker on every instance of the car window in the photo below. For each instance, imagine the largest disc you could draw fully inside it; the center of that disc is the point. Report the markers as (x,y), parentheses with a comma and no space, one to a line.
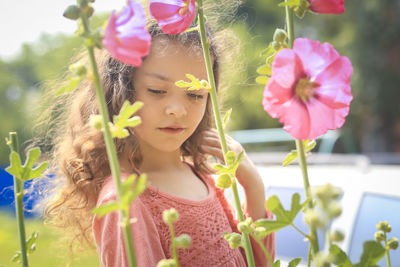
(373,209)
(289,242)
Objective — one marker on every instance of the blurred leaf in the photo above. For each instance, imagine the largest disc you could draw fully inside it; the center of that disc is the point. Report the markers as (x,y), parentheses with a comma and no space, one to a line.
(372,252)
(194,84)
(124,119)
(308,146)
(262,80)
(73,83)
(340,258)
(26,172)
(264,70)
(294,262)
(104,209)
(276,263)
(226,117)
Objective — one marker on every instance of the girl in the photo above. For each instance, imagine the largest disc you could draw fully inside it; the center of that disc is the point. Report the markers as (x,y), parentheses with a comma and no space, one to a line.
(170,146)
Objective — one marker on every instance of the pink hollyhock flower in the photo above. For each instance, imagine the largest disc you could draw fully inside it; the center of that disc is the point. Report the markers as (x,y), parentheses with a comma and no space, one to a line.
(173,16)
(327,6)
(125,37)
(309,90)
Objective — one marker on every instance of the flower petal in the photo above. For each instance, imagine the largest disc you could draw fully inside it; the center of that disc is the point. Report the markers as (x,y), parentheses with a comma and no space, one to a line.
(314,56)
(274,97)
(287,68)
(327,6)
(296,119)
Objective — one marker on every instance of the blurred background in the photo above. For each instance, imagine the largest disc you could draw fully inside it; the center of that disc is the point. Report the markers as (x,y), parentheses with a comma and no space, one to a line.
(38,43)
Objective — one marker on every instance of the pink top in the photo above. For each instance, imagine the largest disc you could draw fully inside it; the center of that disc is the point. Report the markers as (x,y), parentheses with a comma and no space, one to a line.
(204,220)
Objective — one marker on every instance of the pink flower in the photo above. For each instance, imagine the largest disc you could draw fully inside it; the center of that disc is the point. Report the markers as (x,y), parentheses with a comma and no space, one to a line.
(125,37)
(327,6)
(309,90)
(173,16)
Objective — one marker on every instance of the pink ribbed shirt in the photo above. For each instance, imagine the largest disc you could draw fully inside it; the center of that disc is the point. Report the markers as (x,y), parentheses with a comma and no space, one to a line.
(204,220)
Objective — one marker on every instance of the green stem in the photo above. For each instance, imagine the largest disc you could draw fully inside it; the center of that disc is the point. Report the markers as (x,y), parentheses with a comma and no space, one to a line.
(173,245)
(387,253)
(260,243)
(301,232)
(110,147)
(309,257)
(218,121)
(19,209)
(299,143)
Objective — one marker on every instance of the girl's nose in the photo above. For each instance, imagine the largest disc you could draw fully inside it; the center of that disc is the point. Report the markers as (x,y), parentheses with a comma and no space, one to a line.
(176,109)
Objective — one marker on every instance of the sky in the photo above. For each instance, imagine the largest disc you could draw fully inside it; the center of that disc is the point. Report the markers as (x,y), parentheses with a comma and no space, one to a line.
(23,21)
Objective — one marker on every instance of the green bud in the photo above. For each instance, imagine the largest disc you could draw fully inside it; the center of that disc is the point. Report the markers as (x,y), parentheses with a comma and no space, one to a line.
(72,12)
(327,192)
(96,122)
(384,226)
(276,45)
(234,240)
(321,260)
(244,228)
(311,218)
(88,11)
(170,216)
(166,263)
(336,236)
(82,3)
(78,69)
(334,210)
(183,241)
(393,243)
(280,35)
(379,236)
(224,181)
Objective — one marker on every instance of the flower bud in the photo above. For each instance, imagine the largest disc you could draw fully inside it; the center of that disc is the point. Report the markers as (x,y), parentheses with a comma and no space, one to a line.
(260,232)
(78,69)
(244,228)
(379,236)
(276,45)
(393,243)
(234,240)
(166,263)
(224,181)
(334,210)
(72,12)
(336,236)
(327,192)
(96,122)
(88,11)
(280,35)
(82,3)
(183,241)
(311,218)
(170,216)
(384,226)
(321,260)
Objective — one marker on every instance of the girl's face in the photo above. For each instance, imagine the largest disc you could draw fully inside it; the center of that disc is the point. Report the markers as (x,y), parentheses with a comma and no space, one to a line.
(170,114)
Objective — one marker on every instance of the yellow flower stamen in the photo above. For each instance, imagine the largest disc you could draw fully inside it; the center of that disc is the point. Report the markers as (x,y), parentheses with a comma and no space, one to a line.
(305,89)
(185,9)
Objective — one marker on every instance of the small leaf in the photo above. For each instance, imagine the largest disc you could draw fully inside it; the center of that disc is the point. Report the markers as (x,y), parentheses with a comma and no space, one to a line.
(289,158)
(230,158)
(195,83)
(31,242)
(73,83)
(264,70)
(276,263)
(15,168)
(372,252)
(226,117)
(104,209)
(339,256)
(262,80)
(309,145)
(267,51)
(16,257)
(294,262)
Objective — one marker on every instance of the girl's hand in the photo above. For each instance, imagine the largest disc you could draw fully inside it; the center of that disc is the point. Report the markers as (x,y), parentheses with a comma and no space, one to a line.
(246,173)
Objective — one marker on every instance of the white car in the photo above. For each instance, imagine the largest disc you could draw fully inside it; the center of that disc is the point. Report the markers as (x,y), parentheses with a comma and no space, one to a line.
(371,193)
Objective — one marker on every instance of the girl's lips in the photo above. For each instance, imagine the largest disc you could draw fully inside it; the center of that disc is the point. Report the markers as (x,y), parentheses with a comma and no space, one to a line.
(171,130)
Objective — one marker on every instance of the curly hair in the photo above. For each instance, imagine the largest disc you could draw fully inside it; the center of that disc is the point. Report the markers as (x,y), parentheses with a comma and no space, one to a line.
(78,158)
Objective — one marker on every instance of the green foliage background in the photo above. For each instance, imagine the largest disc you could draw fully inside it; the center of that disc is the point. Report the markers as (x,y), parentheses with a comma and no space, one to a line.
(367,33)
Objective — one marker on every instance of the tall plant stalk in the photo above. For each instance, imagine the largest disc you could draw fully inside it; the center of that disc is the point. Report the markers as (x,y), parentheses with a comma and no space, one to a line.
(214,100)
(299,143)
(110,147)
(19,198)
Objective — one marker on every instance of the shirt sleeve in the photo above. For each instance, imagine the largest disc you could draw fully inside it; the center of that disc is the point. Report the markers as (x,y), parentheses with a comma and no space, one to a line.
(110,239)
(269,241)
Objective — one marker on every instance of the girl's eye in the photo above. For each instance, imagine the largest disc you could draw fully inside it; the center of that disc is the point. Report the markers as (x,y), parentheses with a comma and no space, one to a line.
(156,92)
(195,96)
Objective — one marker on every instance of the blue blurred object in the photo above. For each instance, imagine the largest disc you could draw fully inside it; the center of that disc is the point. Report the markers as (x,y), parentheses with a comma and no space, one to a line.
(373,209)
(7,203)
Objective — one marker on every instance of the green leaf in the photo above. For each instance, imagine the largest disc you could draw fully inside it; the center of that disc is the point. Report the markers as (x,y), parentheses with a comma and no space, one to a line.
(230,158)
(283,217)
(37,172)
(194,84)
(276,263)
(340,258)
(289,158)
(264,70)
(267,51)
(132,188)
(124,119)
(15,168)
(226,117)
(309,145)
(73,83)
(372,252)
(31,242)
(290,3)
(262,80)
(104,209)
(294,262)
(16,257)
